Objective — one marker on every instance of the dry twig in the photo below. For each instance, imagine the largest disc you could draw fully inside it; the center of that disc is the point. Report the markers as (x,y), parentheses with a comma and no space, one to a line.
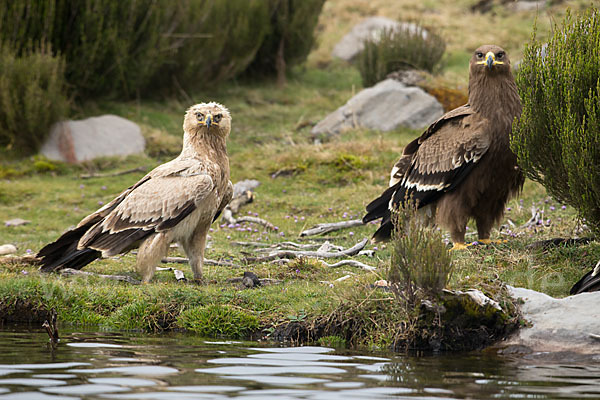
(303,253)
(352,263)
(183,260)
(124,278)
(320,229)
(129,171)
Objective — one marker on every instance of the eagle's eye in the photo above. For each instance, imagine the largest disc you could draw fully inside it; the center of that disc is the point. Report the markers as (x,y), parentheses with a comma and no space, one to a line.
(218,118)
(200,116)
(500,55)
(479,55)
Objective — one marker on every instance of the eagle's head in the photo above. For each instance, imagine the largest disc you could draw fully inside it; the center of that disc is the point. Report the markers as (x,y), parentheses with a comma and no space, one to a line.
(489,59)
(207,118)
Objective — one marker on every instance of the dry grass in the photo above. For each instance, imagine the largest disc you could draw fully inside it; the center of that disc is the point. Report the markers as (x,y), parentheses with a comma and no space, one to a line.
(463,30)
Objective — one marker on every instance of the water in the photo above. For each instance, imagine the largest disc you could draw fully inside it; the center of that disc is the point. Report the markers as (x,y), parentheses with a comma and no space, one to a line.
(95,365)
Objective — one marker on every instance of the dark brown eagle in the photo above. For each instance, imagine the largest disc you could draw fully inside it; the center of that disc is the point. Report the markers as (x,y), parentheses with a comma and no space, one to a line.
(461,167)
(590,282)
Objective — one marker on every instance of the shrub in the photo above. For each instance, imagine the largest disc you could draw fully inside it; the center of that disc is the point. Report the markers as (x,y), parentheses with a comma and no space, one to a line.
(290,38)
(420,261)
(557,139)
(409,47)
(111,47)
(32,98)
(214,41)
(218,321)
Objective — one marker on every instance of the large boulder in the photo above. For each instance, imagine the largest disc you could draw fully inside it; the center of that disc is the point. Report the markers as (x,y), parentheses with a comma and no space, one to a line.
(385,106)
(370,28)
(568,324)
(106,135)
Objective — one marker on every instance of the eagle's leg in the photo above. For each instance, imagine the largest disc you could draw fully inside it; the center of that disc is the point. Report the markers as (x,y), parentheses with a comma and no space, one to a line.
(194,248)
(457,234)
(484,227)
(149,255)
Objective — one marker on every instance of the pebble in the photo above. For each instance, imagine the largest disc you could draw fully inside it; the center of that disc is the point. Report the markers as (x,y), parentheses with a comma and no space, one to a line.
(7,249)
(16,222)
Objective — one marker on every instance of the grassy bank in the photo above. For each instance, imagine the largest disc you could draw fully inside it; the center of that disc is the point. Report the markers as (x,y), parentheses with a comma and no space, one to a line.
(313,184)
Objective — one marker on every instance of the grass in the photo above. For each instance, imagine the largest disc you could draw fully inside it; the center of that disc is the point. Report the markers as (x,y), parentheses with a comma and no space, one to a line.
(316,183)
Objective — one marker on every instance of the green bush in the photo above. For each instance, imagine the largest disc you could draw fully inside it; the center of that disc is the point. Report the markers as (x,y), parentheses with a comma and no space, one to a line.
(420,261)
(557,139)
(218,321)
(32,98)
(124,48)
(111,47)
(214,41)
(409,47)
(290,39)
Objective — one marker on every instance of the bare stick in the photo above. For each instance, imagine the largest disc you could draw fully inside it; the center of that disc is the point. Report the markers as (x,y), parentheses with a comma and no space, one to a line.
(352,263)
(256,220)
(320,229)
(252,244)
(183,260)
(124,278)
(316,254)
(51,327)
(266,247)
(129,171)
(178,274)
(16,260)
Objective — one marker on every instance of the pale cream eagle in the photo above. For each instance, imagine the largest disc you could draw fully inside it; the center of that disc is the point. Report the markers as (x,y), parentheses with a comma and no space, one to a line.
(175,202)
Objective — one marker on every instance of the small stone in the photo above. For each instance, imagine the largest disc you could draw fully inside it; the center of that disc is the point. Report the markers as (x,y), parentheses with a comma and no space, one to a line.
(250,279)
(16,222)
(7,249)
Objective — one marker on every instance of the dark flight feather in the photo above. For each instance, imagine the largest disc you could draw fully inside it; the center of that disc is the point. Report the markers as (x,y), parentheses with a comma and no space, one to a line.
(462,164)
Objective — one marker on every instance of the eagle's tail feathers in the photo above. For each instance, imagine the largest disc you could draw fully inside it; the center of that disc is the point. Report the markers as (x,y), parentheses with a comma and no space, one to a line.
(588,283)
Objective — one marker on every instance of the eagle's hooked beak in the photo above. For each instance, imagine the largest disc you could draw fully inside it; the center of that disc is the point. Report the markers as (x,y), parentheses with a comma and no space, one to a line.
(208,121)
(490,60)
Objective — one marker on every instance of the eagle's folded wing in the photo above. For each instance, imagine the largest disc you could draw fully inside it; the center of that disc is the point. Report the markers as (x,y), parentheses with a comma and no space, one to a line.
(446,157)
(157,204)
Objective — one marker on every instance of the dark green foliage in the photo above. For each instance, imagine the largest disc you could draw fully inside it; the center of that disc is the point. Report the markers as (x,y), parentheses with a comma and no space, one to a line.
(112,47)
(420,260)
(31,98)
(410,47)
(214,41)
(218,321)
(557,139)
(290,38)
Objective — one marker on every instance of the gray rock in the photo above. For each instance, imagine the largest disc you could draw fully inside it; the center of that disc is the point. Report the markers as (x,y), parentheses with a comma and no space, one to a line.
(106,135)
(370,28)
(16,222)
(568,324)
(7,249)
(384,107)
(517,6)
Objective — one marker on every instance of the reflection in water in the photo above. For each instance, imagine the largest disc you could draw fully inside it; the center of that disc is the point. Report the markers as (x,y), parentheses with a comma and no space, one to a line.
(129,366)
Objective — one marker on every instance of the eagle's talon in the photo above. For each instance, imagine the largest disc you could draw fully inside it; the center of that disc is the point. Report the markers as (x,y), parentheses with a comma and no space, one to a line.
(459,246)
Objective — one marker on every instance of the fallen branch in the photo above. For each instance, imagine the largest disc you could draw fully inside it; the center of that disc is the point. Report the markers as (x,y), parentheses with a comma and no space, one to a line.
(315,254)
(16,260)
(256,220)
(51,327)
(352,263)
(129,171)
(537,218)
(267,247)
(331,226)
(178,274)
(545,244)
(183,260)
(124,278)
